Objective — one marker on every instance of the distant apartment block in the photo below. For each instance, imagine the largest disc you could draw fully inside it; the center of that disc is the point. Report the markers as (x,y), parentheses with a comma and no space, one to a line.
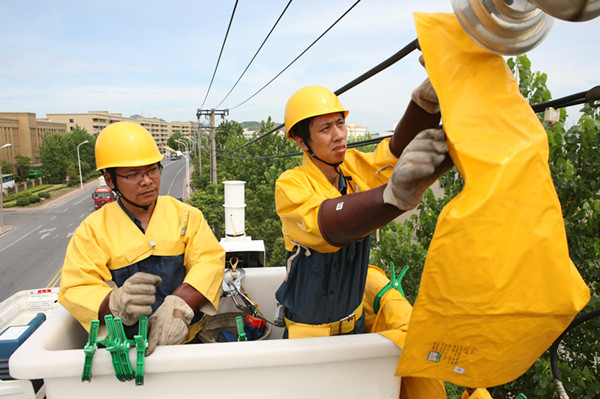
(95,121)
(355,130)
(25,133)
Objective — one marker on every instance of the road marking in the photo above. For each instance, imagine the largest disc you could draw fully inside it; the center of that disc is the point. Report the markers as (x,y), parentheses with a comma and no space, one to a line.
(46,232)
(16,241)
(53,217)
(55,279)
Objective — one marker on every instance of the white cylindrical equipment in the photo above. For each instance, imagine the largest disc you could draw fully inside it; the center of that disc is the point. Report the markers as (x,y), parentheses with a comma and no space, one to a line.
(234,209)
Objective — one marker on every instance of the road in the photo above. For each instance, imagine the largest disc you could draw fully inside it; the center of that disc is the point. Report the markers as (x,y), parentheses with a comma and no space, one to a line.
(32,251)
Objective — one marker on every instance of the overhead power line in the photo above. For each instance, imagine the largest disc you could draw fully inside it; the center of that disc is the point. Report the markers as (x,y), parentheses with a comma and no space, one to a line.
(591,96)
(295,59)
(257,51)
(220,53)
(410,47)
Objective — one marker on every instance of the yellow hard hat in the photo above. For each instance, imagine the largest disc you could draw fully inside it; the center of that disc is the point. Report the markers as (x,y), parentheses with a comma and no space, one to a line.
(125,144)
(308,102)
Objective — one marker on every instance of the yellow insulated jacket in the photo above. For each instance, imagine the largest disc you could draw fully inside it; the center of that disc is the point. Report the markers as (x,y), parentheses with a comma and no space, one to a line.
(325,283)
(178,245)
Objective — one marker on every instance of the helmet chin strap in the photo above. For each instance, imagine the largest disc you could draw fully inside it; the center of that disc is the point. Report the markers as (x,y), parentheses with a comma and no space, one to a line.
(144,207)
(312,154)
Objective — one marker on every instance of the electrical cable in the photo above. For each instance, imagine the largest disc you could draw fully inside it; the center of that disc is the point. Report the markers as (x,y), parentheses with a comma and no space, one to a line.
(295,154)
(554,350)
(578,98)
(410,47)
(220,53)
(589,96)
(257,51)
(295,59)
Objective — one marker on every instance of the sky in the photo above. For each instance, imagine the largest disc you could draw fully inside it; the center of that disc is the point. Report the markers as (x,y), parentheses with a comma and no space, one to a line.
(158,58)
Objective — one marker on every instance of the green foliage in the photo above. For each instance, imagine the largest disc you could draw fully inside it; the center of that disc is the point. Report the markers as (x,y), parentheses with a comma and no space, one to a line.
(7,168)
(250,165)
(24,201)
(22,164)
(44,194)
(210,202)
(397,246)
(58,154)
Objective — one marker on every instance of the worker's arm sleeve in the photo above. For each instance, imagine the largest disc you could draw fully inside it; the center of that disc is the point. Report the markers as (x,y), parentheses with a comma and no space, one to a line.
(300,192)
(83,284)
(204,262)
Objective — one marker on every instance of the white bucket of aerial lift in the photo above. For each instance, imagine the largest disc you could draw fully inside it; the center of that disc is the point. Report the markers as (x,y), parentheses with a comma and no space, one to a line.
(234,209)
(348,366)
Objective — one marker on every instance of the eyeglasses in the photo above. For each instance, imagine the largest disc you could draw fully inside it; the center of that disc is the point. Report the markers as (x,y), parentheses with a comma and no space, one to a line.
(136,178)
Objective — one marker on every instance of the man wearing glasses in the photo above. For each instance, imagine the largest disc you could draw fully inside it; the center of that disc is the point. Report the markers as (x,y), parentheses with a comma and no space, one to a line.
(144,255)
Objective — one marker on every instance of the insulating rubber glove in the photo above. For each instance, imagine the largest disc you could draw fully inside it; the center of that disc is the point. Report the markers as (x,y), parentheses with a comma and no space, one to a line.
(169,324)
(134,298)
(425,96)
(422,162)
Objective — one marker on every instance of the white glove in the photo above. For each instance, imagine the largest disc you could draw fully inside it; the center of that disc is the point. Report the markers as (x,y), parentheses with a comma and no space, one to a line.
(134,298)
(423,160)
(425,96)
(169,324)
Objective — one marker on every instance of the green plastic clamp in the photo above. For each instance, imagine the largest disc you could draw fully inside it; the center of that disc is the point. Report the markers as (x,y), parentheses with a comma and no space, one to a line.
(240,327)
(118,346)
(521,396)
(90,350)
(141,344)
(395,282)
(123,353)
(113,346)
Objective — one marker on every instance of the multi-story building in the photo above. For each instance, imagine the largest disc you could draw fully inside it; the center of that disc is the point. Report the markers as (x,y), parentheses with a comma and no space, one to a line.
(95,121)
(25,133)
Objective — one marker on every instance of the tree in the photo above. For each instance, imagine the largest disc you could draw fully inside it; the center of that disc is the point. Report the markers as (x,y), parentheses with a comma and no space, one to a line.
(172,141)
(22,164)
(58,154)
(255,165)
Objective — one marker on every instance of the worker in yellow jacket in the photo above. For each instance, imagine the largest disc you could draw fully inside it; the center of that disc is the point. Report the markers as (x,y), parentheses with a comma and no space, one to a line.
(332,202)
(144,255)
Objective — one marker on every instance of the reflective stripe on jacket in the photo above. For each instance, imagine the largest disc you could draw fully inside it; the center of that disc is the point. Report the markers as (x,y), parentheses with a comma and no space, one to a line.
(178,245)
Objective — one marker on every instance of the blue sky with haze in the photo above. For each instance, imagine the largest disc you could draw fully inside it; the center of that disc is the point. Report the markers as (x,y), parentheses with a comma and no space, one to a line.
(157,58)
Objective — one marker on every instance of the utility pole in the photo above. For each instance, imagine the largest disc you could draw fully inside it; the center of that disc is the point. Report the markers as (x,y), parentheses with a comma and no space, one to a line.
(199,151)
(213,150)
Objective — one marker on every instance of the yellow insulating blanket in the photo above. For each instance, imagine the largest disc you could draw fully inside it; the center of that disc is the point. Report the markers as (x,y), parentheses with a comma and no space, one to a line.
(498,285)
(391,321)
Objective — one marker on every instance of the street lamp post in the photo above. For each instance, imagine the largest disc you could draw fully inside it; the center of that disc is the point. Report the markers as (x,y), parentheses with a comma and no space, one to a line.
(79,162)
(2,191)
(187,167)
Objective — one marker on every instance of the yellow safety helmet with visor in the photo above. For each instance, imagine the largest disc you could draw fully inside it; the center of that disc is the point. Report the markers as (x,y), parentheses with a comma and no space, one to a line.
(308,102)
(125,144)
